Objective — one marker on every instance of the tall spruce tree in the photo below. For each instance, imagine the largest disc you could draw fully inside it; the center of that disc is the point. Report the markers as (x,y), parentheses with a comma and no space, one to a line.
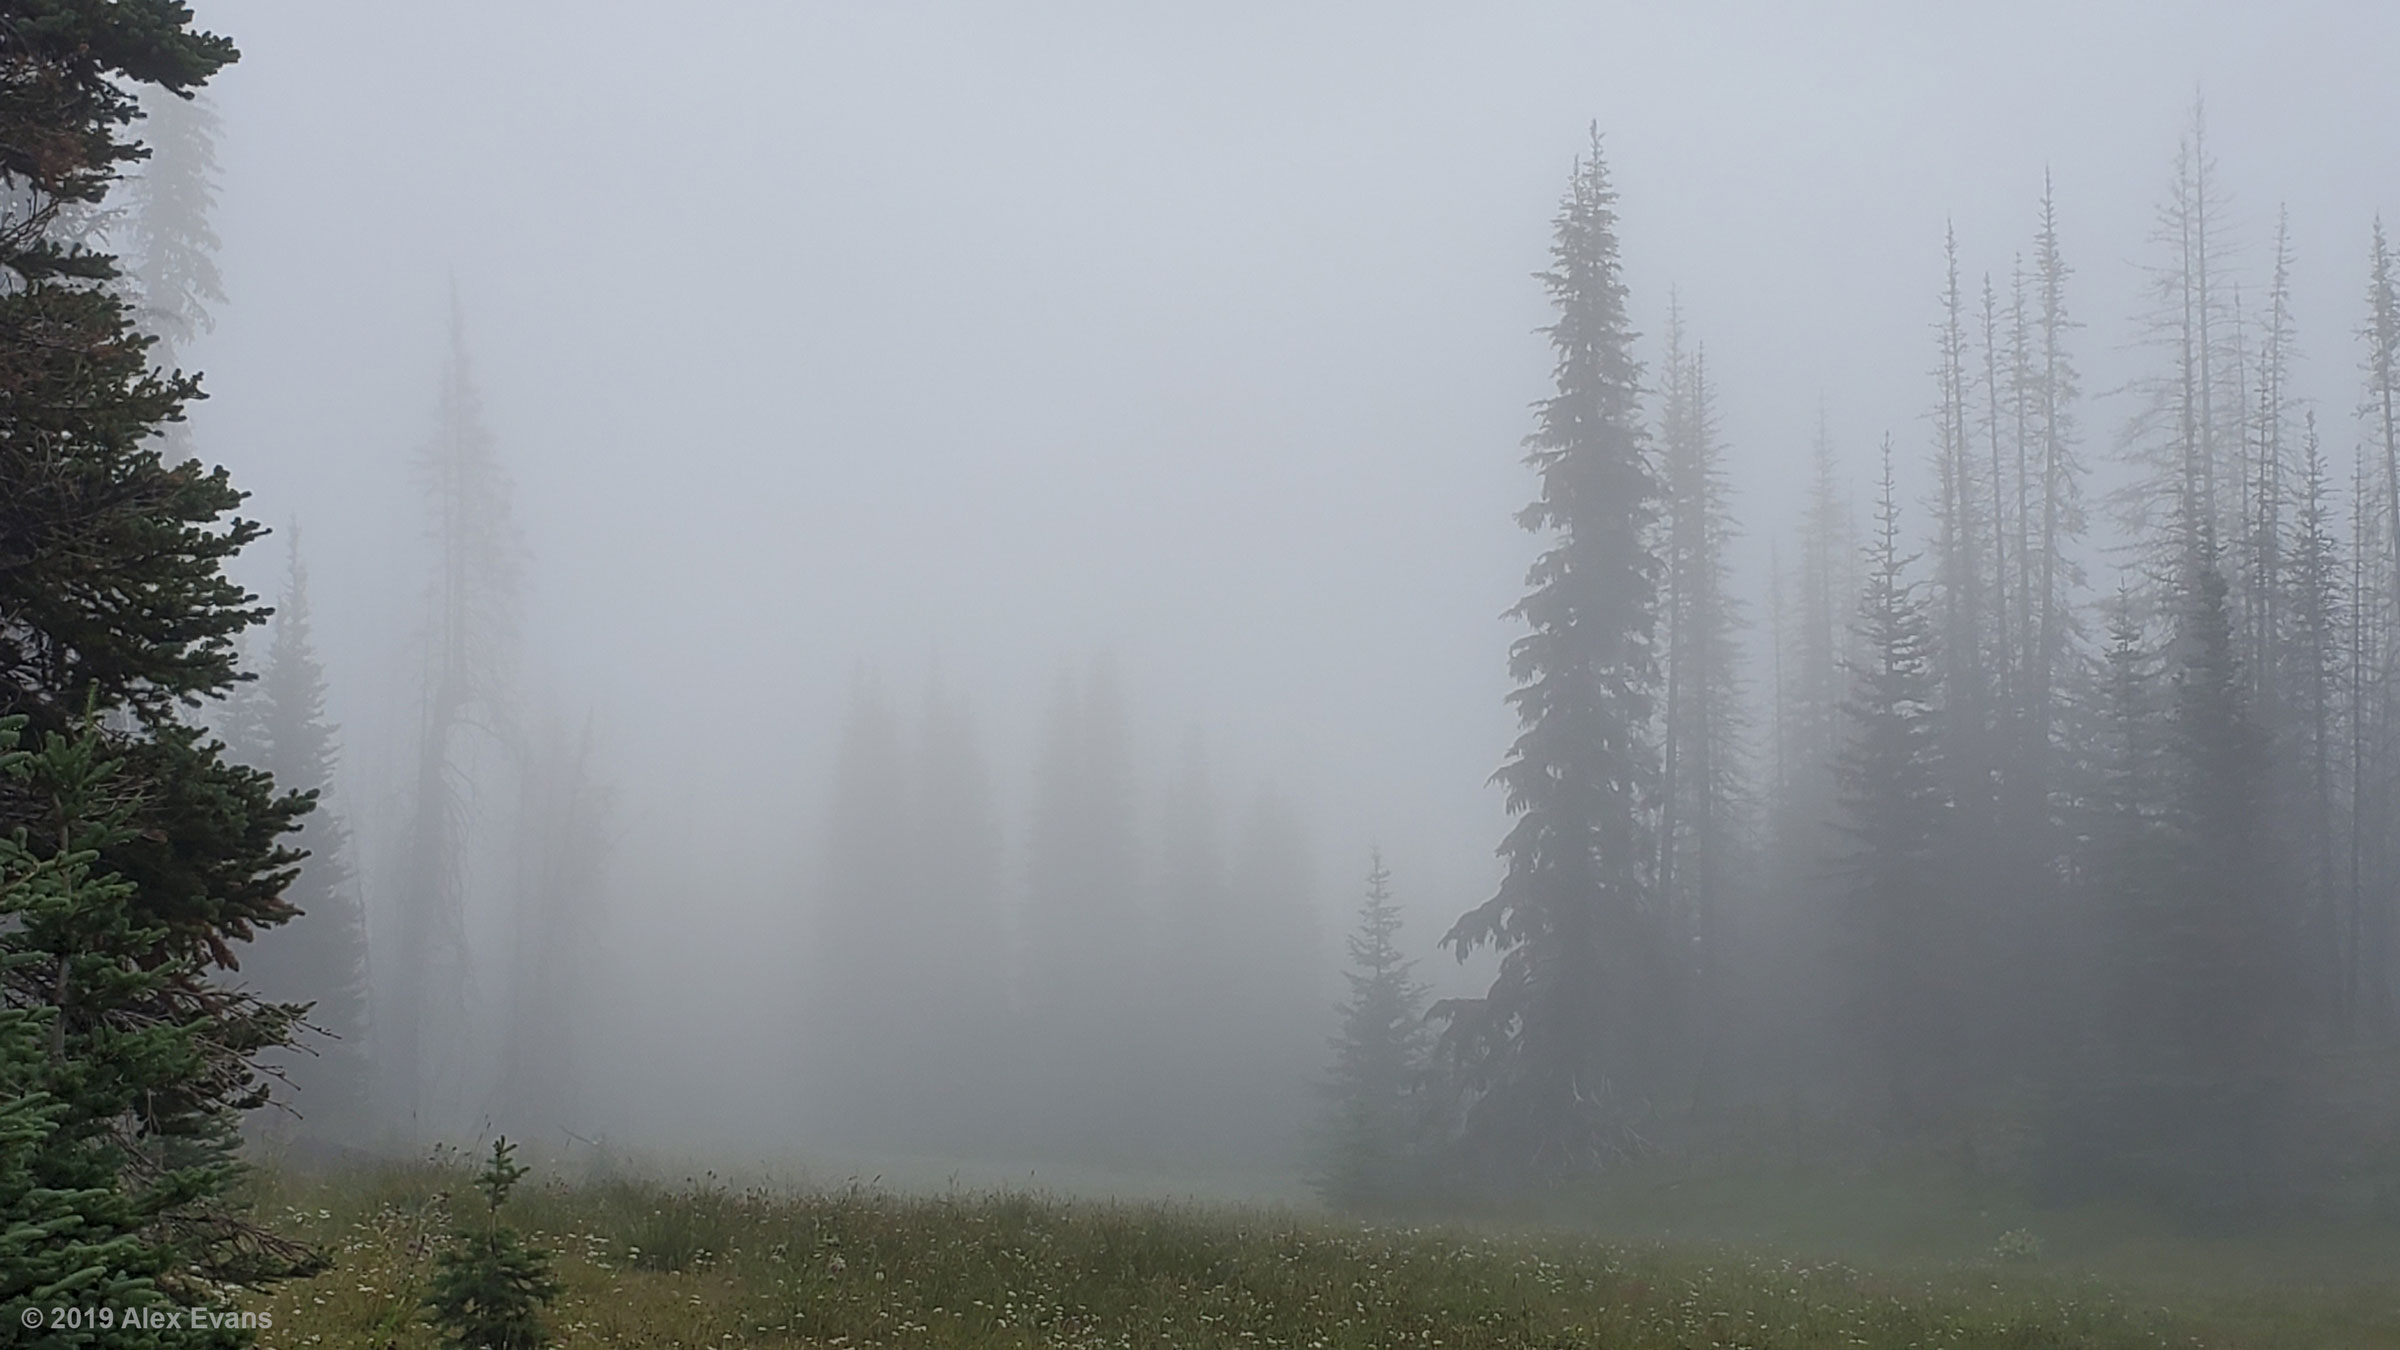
(467,719)
(1704,788)
(137,857)
(2378,796)
(320,958)
(1568,1054)
(2219,981)
(1378,1063)
(1901,925)
(2309,647)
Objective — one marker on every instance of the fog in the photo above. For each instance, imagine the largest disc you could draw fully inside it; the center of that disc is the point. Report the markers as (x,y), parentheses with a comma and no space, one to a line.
(854,356)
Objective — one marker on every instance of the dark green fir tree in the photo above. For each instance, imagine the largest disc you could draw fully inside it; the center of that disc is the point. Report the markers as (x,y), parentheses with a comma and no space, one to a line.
(156,856)
(490,1285)
(1564,1060)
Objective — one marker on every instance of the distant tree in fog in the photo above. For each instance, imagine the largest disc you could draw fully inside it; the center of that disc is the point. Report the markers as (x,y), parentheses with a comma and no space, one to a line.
(1085,927)
(1567,1054)
(1899,921)
(1705,788)
(564,828)
(1377,1081)
(468,710)
(907,1034)
(172,246)
(320,958)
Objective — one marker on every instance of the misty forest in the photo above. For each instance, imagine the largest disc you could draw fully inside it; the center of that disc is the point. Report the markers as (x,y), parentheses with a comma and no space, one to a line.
(1085,678)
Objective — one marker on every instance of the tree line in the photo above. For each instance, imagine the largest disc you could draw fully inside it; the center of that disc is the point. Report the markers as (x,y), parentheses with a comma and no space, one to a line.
(2063,850)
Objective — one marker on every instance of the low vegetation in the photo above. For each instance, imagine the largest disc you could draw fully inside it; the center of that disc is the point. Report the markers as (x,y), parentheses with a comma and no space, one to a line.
(709,1264)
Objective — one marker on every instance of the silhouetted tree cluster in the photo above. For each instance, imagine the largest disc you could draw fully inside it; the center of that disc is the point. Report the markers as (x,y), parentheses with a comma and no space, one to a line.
(2101,894)
(1138,988)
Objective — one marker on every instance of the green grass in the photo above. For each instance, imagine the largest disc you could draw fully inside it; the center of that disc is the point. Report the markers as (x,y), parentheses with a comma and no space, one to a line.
(706,1265)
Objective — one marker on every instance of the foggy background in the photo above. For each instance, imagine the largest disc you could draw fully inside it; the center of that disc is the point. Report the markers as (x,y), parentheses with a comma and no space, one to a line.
(830,341)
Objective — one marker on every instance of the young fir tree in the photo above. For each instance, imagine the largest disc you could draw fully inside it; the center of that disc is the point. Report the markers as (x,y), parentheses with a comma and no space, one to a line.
(155,856)
(1378,1063)
(490,1285)
(1900,923)
(319,959)
(1566,1057)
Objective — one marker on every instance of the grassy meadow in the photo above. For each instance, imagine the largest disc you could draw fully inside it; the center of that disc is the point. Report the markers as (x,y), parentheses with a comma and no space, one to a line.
(705,1264)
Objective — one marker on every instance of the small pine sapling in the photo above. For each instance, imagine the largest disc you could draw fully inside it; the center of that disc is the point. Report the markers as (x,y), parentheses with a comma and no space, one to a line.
(489,1284)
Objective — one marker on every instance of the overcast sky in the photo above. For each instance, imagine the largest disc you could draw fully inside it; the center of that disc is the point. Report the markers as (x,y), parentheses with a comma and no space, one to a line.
(821,335)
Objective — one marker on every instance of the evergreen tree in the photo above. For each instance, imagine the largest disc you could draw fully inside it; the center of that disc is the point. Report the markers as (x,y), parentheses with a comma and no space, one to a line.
(1810,707)
(1378,1062)
(2053,386)
(489,1284)
(320,959)
(172,251)
(960,943)
(564,826)
(2310,623)
(1568,1053)
(2187,429)
(864,934)
(2219,977)
(1201,941)
(1275,985)
(1901,928)
(2264,545)
(2378,801)
(468,712)
(138,857)
(1081,982)
(2124,870)
(1703,785)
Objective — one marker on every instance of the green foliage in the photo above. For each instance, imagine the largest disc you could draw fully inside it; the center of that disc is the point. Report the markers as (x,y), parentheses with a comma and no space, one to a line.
(135,856)
(1562,1059)
(489,1284)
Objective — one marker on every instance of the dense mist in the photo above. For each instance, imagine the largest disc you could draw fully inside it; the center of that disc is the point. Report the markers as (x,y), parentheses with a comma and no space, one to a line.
(863,582)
